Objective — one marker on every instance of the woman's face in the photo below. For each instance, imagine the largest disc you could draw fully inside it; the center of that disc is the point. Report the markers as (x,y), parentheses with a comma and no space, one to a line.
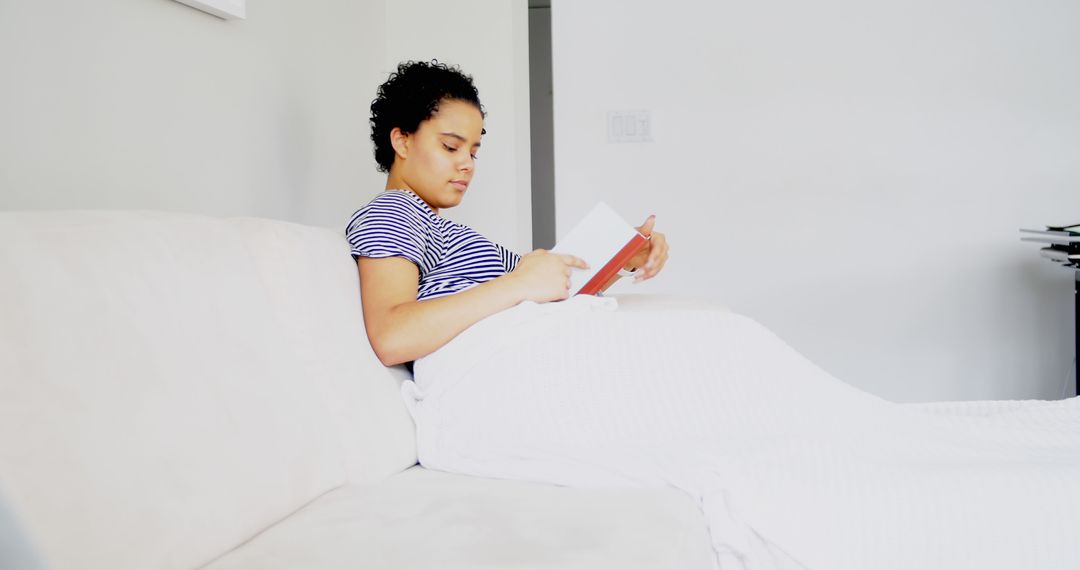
(438,160)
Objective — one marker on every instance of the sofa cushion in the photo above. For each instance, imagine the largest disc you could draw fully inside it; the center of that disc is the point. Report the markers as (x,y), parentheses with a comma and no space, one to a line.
(173,384)
(311,281)
(423,519)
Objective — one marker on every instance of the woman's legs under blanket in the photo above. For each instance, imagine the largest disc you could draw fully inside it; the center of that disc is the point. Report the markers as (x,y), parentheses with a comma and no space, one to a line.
(785,459)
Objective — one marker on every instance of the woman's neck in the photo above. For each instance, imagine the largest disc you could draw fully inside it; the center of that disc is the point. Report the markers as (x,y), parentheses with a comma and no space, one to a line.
(394,181)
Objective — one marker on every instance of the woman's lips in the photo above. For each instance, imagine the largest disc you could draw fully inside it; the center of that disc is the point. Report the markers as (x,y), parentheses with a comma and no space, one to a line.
(459,185)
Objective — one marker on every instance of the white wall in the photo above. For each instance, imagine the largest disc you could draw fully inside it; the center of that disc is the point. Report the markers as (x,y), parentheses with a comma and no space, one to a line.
(850,174)
(488,39)
(153,104)
(150,104)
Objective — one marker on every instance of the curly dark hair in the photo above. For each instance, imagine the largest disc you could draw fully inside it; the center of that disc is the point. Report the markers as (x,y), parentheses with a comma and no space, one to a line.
(411,96)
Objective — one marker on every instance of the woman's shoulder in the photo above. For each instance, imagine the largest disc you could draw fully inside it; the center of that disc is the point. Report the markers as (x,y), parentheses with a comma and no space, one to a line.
(400,199)
(394,204)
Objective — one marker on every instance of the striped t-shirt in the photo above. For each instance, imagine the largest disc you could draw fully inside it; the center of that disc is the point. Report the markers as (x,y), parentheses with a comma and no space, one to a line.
(451,257)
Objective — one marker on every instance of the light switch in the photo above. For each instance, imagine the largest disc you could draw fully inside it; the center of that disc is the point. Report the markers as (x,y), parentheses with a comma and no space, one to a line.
(629,126)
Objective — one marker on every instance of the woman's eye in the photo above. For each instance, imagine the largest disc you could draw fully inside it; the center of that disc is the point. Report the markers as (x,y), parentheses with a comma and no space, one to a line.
(449,148)
(474,157)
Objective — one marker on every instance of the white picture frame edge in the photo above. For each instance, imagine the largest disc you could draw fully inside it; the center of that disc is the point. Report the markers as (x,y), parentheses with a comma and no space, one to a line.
(225,9)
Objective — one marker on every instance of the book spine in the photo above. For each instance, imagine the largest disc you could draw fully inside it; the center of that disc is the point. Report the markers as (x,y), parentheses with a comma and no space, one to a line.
(612,267)
(1071,248)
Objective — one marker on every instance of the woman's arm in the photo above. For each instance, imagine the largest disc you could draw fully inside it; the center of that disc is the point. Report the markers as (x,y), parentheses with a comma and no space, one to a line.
(402,329)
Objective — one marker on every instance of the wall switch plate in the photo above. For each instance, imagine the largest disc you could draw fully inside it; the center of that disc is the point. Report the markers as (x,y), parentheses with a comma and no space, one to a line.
(629,126)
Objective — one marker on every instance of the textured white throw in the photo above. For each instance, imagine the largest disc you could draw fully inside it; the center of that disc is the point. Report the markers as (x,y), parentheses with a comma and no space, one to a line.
(792,467)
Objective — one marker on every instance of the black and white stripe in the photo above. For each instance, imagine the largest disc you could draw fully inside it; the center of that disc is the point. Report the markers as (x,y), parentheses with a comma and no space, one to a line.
(451,257)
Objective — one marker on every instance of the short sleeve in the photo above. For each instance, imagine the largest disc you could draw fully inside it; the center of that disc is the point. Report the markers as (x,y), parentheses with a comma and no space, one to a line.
(391,225)
(509,258)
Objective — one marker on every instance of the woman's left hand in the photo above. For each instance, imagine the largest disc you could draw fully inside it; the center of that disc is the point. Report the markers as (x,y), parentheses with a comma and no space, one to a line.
(652,257)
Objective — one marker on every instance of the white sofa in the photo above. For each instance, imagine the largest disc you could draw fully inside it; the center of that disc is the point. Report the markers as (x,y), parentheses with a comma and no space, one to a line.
(179,391)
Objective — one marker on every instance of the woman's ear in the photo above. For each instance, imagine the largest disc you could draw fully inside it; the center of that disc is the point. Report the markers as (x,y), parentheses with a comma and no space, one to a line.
(400,142)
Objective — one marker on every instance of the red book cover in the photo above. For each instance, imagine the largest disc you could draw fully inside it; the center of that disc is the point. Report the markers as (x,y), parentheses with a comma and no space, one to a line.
(606,242)
(613,266)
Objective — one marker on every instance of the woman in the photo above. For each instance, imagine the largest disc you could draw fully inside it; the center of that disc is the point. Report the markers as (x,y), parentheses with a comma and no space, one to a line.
(791,467)
(424,278)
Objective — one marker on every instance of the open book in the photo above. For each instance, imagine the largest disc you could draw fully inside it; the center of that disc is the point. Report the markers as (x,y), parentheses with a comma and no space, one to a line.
(606,242)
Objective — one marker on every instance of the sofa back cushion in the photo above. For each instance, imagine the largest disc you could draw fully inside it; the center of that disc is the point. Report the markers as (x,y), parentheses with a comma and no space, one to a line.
(312,284)
(170,385)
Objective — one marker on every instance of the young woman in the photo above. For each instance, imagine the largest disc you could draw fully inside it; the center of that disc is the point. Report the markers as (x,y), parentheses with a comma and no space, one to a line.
(425,278)
(767,444)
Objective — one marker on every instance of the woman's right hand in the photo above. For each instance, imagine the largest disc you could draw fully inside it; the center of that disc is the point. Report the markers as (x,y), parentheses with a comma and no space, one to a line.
(543,276)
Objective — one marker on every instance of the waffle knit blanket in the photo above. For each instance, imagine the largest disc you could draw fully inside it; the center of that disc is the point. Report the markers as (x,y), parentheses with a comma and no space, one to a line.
(791,467)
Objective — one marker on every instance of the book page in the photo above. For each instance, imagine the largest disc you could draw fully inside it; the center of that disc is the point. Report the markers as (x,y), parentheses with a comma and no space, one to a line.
(596,239)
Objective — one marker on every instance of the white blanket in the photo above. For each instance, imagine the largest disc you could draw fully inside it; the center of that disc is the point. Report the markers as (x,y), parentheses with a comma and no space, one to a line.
(792,468)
